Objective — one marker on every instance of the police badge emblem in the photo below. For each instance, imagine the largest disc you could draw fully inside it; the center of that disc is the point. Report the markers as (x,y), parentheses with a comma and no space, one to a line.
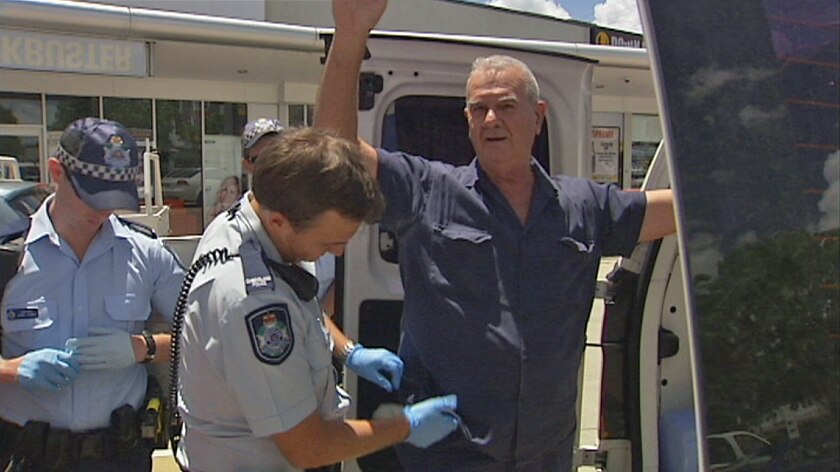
(117,152)
(270,333)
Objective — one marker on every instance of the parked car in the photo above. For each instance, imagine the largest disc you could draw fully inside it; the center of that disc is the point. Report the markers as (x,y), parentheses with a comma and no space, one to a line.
(183,184)
(18,200)
(737,450)
(30,171)
(9,168)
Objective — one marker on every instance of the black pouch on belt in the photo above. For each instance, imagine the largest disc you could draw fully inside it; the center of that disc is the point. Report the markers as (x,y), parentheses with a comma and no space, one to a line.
(28,453)
(125,430)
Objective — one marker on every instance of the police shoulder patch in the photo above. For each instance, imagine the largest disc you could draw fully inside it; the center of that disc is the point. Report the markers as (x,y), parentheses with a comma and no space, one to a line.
(138,227)
(270,333)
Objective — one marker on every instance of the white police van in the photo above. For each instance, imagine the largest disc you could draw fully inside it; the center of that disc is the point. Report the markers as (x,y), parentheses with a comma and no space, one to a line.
(727,330)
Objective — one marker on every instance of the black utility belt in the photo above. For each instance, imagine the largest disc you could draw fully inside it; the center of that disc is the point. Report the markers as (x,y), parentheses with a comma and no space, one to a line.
(43,447)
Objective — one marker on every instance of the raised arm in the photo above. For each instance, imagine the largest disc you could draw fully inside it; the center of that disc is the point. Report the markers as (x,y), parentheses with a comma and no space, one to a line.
(338,98)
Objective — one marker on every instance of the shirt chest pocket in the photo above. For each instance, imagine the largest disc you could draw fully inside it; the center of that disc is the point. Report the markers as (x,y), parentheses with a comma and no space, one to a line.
(576,250)
(463,234)
(125,309)
(461,256)
(28,323)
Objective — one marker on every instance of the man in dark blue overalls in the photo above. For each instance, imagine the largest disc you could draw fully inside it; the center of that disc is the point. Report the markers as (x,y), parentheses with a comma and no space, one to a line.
(498,260)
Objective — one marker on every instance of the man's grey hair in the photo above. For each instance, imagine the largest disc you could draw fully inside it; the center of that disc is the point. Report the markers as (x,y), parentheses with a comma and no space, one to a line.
(499,63)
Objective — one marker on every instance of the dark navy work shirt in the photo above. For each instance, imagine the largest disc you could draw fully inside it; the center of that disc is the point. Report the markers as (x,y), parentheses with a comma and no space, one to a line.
(496,311)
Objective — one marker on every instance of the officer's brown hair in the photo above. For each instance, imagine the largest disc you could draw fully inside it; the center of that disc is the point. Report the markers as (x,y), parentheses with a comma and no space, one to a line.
(309,171)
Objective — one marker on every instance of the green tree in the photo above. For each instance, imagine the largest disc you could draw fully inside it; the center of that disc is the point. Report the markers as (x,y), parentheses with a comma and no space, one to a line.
(769,328)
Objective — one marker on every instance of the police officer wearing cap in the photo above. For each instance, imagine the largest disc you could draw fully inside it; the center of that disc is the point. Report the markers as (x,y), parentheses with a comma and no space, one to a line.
(73,339)
(258,135)
(258,390)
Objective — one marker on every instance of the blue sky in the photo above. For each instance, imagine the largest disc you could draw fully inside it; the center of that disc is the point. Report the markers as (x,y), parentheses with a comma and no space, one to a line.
(620,14)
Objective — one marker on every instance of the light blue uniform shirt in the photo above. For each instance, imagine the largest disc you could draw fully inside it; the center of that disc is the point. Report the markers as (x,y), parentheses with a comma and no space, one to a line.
(256,360)
(325,272)
(123,276)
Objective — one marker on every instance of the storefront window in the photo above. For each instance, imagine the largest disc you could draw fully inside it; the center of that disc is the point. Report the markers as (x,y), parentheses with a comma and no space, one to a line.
(225,118)
(179,145)
(647,134)
(301,114)
(20,109)
(64,109)
(25,150)
(134,113)
(222,161)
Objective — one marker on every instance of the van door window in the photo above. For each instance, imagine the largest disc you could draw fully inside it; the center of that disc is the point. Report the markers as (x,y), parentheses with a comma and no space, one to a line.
(752,103)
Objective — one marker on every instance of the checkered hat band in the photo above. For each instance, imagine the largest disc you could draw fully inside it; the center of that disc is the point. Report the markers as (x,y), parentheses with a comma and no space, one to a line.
(261,127)
(111,174)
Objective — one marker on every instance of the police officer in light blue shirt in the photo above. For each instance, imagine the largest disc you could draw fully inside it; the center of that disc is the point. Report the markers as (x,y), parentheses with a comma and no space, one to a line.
(73,338)
(259,134)
(257,388)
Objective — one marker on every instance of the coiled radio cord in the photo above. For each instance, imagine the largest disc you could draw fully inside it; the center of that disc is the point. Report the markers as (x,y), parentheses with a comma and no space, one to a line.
(216,256)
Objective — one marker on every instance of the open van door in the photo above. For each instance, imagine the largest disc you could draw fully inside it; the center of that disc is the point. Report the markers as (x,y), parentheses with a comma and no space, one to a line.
(412,97)
(719,346)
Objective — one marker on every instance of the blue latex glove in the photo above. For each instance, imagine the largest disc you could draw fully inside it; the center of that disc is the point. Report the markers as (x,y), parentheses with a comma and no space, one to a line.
(47,369)
(106,348)
(431,420)
(380,366)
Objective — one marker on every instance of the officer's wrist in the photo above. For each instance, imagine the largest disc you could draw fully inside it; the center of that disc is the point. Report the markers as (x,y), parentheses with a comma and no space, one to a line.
(151,347)
(142,348)
(9,369)
(344,352)
(138,344)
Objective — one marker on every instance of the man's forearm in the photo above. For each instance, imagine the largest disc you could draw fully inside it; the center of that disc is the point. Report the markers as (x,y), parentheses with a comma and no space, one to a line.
(338,440)
(337,101)
(659,220)
(338,96)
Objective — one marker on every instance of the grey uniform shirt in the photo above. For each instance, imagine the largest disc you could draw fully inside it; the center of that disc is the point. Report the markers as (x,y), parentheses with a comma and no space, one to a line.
(255,361)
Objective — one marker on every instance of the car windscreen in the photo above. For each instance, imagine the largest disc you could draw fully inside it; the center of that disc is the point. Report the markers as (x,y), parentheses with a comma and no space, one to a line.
(27,202)
(750,101)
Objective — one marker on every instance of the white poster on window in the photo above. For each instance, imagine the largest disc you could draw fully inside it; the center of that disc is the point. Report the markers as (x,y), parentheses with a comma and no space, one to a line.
(605,154)
(222,174)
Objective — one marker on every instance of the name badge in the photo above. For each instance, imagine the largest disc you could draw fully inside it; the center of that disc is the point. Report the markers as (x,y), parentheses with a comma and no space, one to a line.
(21,313)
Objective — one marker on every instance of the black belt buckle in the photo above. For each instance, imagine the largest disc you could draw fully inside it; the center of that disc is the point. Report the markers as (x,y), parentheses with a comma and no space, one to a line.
(92,446)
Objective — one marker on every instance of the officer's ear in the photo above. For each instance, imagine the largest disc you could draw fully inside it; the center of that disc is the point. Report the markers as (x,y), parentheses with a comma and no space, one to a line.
(279,220)
(277,223)
(55,169)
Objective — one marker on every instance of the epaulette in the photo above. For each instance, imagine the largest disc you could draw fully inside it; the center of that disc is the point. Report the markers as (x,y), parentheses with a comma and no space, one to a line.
(231,213)
(138,227)
(254,269)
